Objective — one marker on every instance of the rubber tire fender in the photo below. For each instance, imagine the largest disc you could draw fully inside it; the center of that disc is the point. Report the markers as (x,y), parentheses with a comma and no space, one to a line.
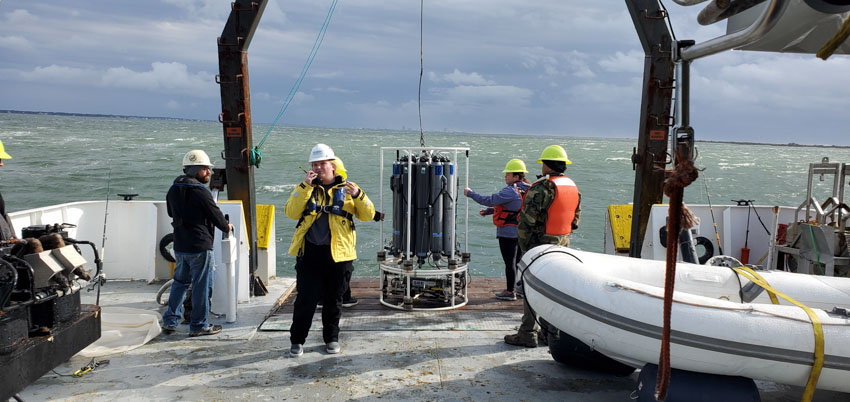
(700,241)
(163,250)
(708,246)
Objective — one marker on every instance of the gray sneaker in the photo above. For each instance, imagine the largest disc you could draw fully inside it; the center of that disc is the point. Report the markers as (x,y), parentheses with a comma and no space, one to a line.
(168,330)
(296,350)
(333,348)
(506,295)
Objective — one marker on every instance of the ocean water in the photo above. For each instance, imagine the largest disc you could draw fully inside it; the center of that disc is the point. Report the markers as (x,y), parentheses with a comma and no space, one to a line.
(59,159)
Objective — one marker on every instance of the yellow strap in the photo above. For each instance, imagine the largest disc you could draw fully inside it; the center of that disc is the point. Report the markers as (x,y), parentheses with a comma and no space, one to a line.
(769,289)
(808,393)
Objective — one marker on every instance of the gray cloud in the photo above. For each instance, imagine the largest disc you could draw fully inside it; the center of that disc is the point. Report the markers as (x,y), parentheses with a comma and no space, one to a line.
(459,78)
(170,77)
(165,77)
(15,42)
(623,62)
(59,75)
(549,66)
(482,95)
(337,90)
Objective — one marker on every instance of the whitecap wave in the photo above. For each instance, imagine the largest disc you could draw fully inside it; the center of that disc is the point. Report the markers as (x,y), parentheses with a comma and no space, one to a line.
(280,188)
(16,133)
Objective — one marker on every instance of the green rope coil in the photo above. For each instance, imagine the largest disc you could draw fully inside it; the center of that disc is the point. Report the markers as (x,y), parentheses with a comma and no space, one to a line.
(255,156)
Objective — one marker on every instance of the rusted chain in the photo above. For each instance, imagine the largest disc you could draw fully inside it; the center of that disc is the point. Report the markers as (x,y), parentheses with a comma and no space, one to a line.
(674,187)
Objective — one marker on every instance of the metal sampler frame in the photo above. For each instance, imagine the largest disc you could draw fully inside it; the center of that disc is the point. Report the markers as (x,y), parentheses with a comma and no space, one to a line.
(403,268)
(829,217)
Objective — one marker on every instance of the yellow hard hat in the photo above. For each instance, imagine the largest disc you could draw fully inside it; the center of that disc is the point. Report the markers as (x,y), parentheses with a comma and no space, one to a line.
(3,154)
(340,168)
(554,153)
(515,166)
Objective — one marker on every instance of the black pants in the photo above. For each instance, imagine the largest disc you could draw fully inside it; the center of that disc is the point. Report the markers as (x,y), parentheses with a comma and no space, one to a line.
(511,256)
(348,272)
(317,276)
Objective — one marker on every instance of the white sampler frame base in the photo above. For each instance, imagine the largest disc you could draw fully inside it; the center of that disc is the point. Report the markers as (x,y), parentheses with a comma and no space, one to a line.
(403,268)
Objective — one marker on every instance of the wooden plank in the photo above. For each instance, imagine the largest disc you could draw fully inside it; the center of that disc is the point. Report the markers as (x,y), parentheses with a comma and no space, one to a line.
(367,290)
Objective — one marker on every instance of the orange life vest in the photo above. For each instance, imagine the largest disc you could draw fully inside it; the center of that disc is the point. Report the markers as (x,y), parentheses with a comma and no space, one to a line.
(505,217)
(563,209)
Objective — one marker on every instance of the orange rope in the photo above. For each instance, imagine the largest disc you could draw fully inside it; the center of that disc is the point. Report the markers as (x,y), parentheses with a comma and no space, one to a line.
(674,187)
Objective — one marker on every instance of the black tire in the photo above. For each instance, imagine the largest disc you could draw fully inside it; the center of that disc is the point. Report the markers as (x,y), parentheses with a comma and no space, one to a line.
(709,249)
(568,350)
(163,247)
(701,241)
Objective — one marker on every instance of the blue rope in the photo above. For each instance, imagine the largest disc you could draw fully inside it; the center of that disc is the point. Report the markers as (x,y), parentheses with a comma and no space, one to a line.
(255,155)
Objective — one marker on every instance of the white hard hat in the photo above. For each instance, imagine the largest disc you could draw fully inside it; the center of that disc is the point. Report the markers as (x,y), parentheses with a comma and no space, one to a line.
(196,157)
(321,152)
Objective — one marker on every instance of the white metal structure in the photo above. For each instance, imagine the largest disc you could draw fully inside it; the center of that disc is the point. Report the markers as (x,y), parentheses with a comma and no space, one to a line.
(763,229)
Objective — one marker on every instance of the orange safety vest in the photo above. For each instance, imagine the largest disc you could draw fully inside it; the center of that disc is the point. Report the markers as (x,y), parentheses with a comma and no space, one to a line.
(505,217)
(563,209)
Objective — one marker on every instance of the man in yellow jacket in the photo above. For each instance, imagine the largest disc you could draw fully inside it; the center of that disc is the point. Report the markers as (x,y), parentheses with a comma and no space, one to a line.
(324,243)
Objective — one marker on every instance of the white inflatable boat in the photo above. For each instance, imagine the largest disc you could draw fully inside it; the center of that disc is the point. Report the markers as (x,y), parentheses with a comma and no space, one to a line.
(720,323)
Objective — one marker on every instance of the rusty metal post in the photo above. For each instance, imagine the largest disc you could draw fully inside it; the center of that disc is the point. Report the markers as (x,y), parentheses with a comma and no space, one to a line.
(235,114)
(650,155)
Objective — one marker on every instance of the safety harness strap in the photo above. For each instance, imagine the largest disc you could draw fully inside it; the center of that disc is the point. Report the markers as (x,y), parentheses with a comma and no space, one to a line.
(328,209)
(312,208)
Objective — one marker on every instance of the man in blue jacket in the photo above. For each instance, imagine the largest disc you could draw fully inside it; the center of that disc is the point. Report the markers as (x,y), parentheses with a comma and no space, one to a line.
(195,217)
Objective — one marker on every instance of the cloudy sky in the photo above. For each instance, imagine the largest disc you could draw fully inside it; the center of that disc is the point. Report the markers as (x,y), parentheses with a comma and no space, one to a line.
(555,67)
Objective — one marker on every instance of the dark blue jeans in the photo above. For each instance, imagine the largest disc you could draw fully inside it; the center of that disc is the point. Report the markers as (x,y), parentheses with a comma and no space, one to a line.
(196,270)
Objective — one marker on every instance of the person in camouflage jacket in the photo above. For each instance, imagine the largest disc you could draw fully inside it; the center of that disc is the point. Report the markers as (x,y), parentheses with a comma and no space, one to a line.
(532,230)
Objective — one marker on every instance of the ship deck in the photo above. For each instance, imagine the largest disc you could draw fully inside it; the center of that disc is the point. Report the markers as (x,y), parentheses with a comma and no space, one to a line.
(387,354)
